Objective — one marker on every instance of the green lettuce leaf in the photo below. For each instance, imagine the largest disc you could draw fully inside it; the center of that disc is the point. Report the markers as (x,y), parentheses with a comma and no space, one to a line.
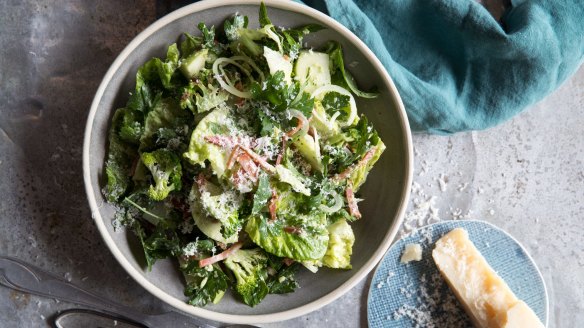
(359,174)
(218,122)
(166,125)
(309,241)
(222,205)
(211,227)
(262,194)
(362,138)
(157,72)
(340,246)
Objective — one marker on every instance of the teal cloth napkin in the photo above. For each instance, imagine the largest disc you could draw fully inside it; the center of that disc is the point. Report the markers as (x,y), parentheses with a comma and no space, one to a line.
(459,69)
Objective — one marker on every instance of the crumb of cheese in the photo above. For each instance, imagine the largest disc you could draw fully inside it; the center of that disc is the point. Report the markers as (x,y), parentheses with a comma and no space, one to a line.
(412,252)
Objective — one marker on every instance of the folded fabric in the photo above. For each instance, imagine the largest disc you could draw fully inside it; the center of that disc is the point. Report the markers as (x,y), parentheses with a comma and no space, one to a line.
(456,67)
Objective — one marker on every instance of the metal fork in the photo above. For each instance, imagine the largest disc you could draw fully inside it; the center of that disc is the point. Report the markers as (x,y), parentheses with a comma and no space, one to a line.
(25,277)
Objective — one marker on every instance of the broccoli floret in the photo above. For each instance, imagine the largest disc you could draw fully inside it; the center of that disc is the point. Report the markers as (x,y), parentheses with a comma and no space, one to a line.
(132,125)
(237,32)
(233,26)
(166,172)
(249,266)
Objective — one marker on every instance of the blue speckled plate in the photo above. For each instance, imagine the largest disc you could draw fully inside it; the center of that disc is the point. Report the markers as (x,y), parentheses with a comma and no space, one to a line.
(415,295)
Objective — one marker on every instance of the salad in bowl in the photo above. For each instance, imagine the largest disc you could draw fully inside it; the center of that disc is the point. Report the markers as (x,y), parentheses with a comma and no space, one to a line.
(241,154)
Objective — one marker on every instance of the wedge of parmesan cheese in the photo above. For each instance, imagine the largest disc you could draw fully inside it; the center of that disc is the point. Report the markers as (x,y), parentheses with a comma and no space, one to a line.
(485,296)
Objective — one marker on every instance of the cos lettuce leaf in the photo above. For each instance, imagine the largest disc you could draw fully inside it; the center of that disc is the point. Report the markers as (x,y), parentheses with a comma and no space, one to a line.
(158,72)
(218,122)
(222,205)
(359,174)
(299,237)
(366,148)
(340,246)
(211,227)
(165,122)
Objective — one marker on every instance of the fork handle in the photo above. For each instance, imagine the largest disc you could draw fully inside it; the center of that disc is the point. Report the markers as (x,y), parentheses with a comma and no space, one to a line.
(25,277)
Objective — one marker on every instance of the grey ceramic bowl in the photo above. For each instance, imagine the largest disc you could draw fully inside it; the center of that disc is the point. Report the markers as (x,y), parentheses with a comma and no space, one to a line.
(386,191)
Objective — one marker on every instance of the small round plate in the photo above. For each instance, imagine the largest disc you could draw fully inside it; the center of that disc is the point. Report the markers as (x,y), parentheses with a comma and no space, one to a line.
(416,295)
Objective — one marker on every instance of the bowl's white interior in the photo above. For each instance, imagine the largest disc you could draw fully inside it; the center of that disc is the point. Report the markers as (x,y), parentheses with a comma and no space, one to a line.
(385,192)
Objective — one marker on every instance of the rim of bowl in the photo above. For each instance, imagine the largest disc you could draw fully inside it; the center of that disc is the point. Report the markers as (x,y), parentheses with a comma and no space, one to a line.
(255,318)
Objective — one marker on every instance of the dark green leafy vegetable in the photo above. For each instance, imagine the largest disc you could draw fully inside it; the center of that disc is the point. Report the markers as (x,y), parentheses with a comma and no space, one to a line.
(233,25)
(132,201)
(267,123)
(339,75)
(293,38)
(334,101)
(283,281)
(132,125)
(142,99)
(190,44)
(204,285)
(282,96)
(362,138)
(120,159)
(166,121)
(208,35)
(160,244)
(264,19)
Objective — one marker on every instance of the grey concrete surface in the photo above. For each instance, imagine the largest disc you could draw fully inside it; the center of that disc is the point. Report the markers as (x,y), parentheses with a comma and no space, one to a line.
(526,176)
